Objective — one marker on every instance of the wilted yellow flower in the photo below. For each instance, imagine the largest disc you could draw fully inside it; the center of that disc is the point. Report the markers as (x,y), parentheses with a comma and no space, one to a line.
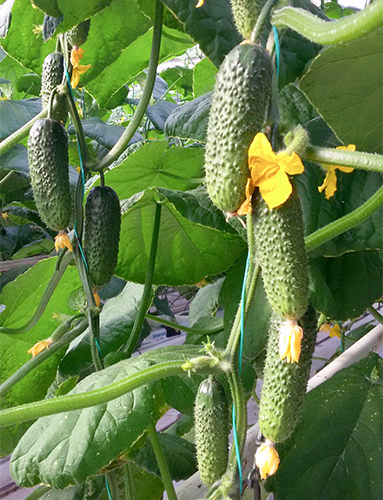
(62,241)
(290,337)
(77,68)
(329,183)
(40,346)
(267,459)
(96,298)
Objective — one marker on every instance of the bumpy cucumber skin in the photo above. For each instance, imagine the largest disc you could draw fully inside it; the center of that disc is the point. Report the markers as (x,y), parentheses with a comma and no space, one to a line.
(102,234)
(245,14)
(211,417)
(48,164)
(284,384)
(280,250)
(78,35)
(51,76)
(239,109)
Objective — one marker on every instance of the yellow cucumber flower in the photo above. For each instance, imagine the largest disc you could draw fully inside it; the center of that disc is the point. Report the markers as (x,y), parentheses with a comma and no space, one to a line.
(62,240)
(267,459)
(329,183)
(290,337)
(269,172)
(78,69)
(200,3)
(40,346)
(333,331)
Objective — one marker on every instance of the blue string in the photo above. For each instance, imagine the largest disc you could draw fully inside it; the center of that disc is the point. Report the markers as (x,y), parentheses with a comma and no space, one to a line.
(237,452)
(277,49)
(98,347)
(108,489)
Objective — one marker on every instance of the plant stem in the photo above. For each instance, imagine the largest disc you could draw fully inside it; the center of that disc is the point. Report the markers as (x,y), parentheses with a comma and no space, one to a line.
(187,329)
(161,461)
(22,132)
(67,258)
(263,17)
(38,492)
(345,223)
(123,141)
(147,293)
(342,30)
(356,159)
(64,339)
(112,485)
(375,314)
(95,397)
(130,493)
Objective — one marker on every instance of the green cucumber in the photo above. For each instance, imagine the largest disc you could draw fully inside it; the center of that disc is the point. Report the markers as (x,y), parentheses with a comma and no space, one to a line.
(211,416)
(49,171)
(52,76)
(284,384)
(102,234)
(280,250)
(245,13)
(78,35)
(239,109)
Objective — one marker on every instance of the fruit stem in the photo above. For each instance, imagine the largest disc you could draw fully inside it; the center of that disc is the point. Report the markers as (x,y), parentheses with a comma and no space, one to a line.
(147,293)
(261,21)
(123,141)
(161,461)
(320,31)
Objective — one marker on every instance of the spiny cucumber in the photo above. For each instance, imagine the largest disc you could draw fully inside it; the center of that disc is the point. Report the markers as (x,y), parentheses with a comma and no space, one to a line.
(78,35)
(245,14)
(211,416)
(48,164)
(52,76)
(239,109)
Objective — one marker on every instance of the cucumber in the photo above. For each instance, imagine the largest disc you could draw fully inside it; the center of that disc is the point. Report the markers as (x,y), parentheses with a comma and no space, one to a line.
(239,109)
(284,384)
(211,417)
(102,234)
(245,14)
(78,35)
(52,76)
(48,164)
(280,250)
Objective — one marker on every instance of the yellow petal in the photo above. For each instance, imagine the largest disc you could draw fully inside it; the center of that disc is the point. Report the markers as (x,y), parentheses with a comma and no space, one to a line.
(261,147)
(335,331)
(329,183)
(245,208)
(40,346)
(325,328)
(200,3)
(276,190)
(75,56)
(345,169)
(291,164)
(267,459)
(62,241)
(290,339)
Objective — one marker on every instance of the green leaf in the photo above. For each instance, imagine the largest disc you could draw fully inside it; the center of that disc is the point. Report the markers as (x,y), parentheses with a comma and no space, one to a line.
(37,247)
(204,77)
(125,60)
(157,164)
(211,26)
(49,6)
(178,77)
(14,114)
(71,493)
(116,323)
(294,107)
(189,121)
(5,17)
(159,112)
(12,186)
(205,303)
(193,241)
(340,433)
(343,287)
(179,455)
(74,14)
(12,71)
(64,449)
(353,190)
(344,83)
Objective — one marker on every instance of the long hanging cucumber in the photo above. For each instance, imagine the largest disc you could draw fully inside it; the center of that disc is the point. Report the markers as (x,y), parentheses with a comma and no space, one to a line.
(284,384)
(211,416)
(48,164)
(280,250)
(52,76)
(102,234)
(239,109)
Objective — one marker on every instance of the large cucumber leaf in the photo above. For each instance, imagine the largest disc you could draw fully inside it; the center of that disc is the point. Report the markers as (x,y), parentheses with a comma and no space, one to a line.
(344,83)
(194,241)
(14,114)
(336,451)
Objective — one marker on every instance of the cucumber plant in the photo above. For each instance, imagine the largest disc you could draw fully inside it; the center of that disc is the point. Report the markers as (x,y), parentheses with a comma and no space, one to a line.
(82,416)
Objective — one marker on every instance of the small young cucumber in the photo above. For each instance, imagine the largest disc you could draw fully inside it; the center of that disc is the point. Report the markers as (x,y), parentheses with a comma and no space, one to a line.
(280,250)
(102,234)
(78,35)
(211,417)
(48,165)
(51,77)
(245,14)
(239,109)
(284,384)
